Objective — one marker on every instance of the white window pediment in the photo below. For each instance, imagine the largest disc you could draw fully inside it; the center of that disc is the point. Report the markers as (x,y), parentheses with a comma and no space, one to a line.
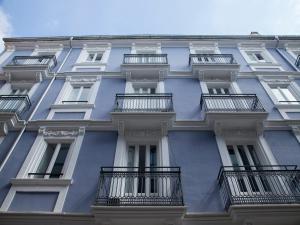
(258,57)
(92,57)
(204,48)
(293,49)
(146,48)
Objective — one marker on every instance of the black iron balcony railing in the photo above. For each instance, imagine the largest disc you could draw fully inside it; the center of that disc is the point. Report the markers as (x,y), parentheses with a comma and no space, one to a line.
(125,186)
(14,104)
(145,59)
(37,60)
(231,103)
(211,59)
(143,103)
(242,185)
(297,63)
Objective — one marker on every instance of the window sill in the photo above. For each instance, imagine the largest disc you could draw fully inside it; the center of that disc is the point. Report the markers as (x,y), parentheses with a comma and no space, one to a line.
(90,64)
(40,182)
(73,106)
(287,106)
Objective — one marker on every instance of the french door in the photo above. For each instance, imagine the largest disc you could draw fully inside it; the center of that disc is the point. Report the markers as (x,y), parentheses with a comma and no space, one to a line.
(142,160)
(244,158)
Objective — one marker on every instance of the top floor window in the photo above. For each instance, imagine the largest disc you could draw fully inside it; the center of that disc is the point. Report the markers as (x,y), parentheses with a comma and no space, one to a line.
(94,56)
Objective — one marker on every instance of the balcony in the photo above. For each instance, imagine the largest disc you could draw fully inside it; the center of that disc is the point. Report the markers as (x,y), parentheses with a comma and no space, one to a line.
(214,66)
(133,186)
(248,185)
(11,108)
(297,63)
(30,67)
(143,110)
(233,111)
(145,66)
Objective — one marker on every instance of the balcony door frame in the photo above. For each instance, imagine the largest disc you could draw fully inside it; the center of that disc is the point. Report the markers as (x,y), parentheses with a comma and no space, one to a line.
(240,137)
(140,137)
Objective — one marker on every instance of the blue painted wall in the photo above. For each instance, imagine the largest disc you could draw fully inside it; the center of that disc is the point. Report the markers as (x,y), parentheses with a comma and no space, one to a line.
(283,62)
(72,58)
(253,86)
(68,115)
(244,67)
(15,162)
(61,58)
(297,82)
(98,149)
(33,201)
(49,99)
(284,146)
(105,99)
(35,98)
(198,156)
(116,58)
(178,58)
(7,144)
(186,97)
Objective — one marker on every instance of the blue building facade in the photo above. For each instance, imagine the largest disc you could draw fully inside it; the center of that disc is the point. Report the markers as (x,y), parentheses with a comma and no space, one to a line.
(150,129)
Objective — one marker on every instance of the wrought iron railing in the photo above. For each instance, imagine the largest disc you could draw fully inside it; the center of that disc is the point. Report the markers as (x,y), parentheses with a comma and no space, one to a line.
(124,186)
(143,103)
(240,185)
(14,103)
(145,59)
(297,63)
(46,60)
(231,103)
(211,59)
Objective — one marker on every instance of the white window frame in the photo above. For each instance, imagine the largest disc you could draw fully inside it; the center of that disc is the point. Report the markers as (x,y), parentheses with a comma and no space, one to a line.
(269,61)
(291,48)
(237,137)
(142,137)
(283,108)
(82,63)
(23,183)
(233,86)
(92,81)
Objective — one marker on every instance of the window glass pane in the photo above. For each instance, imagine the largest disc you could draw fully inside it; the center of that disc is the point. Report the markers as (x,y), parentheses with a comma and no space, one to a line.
(60,160)
(278,95)
(253,155)
(152,90)
(43,166)
(259,56)
(130,161)
(288,95)
(153,156)
(84,94)
(251,56)
(74,93)
(90,57)
(232,155)
(210,91)
(98,57)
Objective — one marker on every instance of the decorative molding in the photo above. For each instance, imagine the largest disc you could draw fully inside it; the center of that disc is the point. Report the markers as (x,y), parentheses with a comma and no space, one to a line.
(51,132)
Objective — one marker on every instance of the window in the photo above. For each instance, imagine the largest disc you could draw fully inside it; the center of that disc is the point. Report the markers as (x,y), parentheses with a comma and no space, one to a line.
(94,56)
(79,94)
(284,95)
(219,91)
(143,157)
(244,157)
(255,56)
(52,162)
(144,90)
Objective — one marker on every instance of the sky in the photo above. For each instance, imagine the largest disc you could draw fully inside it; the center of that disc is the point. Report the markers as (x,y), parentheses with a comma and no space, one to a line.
(200,17)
